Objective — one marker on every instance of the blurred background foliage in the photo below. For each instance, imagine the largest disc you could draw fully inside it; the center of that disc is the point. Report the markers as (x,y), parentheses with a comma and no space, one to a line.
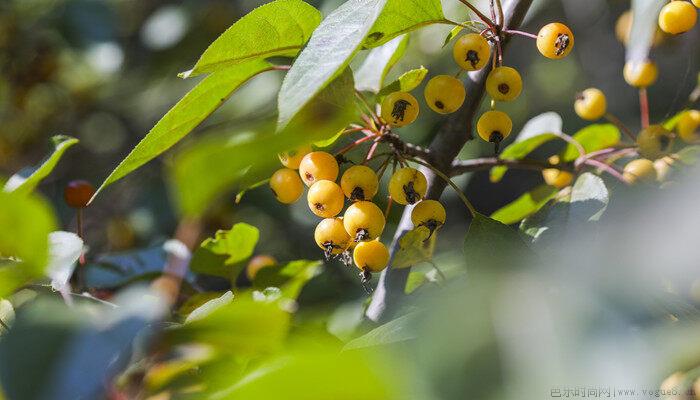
(106,71)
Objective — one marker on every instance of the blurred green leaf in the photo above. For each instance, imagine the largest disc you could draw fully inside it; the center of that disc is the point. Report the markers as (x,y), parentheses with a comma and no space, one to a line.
(453,33)
(406,82)
(371,74)
(400,329)
(671,123)
(209,307)
(592,138)
(190,111)
(536,132)
(645,15)
(689,155)
(415,246)
(326,56)
(290,278)
(219,164)
(525,205)
(27,222)
(491,245)
(586,203)
(244,327)
(278,28)
(27,180)
(218,255)
(402,16)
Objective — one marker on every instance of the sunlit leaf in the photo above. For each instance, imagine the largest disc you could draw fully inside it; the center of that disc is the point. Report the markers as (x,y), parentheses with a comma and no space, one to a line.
(26,180)
(401,16)
(186,115)
(218,255)
(278,28)
(398,330)
(592,138)
(370,76)
(209,307)
(415,246)
(525,205)
(406,82)
(491,245)
(290,278)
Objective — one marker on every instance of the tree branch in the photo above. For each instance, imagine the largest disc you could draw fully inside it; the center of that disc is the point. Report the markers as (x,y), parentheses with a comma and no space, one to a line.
(443,150)
(460,167)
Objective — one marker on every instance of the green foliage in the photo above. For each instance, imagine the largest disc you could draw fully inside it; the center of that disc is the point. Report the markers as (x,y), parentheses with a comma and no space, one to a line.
(223,254)
(25,181)
(327,55)
(290,278)
(525,205)
(586,203)
(278,28)
(370,76)
(401,16)
(26,242)
(415,247)
(592,138)
(189,112)
(398,330)
(197,184)
(490,245)
(406,82)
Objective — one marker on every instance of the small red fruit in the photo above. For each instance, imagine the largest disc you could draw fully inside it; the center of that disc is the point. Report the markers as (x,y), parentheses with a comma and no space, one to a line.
(78,193)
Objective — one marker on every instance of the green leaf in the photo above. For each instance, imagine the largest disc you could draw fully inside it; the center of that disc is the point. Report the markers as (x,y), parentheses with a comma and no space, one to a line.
(218,255)
(536,132)
(689,155)
(415,246)
(406,82)
(525,205)
(290,278)
(671,123)
(278,28)
(453,33)
(491,245)
(370,76)
(400,329)
(209,307)
(328,53)
(26,180)
(215,165)
(592,138)
(402,16)
(27,222)
(645,15)
(587,202)
(189,112)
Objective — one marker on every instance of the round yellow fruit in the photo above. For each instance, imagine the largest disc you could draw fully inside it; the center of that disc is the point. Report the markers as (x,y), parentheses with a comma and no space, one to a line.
(640,74)
(678,17)
(555,40)
(400,109)
(317,166)
(445,94)
(407,186)
(640,171)
(504,84)
(428,213)
(471,52)
(494,126)
(363,221)
(591,104)
(654,141)
(688,125)
(292,158)
(286,185)
(359,182)
(325,199)
(331,236)
(372,256)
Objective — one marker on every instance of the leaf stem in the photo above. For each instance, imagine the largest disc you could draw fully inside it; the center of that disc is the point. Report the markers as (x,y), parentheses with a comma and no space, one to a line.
(439,173)
(479,14)
(521,33)
(572,141)
(617,122)
(607,168)
(644,107)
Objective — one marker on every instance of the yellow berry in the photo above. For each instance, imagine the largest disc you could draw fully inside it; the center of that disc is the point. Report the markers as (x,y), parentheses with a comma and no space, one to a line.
(591,104)
(555,40)
(504,84)
(640,74)
(654,141)
(697,3)
(363,221)
(688,125)
(445,94)
(325,199)
(407,186)
(286,185)
(257,263)
(330,235)
(494,126)
(318,165)
(640,170)
(471,52)
(400,109)
(556,177)
(428,213)
(359,182)
(372,256)
(677,17)
(292,158)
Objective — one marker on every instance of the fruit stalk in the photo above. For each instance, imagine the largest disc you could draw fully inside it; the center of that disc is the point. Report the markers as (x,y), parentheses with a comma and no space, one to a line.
(442,152)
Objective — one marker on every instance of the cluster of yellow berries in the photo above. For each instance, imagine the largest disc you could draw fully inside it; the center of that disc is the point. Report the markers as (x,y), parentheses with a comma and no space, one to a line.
(361,225)
(445,94)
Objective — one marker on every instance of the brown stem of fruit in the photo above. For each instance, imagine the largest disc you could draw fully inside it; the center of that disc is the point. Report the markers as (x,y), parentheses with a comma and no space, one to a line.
(442,152)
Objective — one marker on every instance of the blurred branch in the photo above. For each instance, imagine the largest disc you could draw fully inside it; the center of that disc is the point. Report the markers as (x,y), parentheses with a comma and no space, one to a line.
(460,167)
(443,150)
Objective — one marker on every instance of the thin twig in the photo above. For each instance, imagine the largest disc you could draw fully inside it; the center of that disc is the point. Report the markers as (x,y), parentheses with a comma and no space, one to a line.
(521,33)
(644,107)
(607,168)
(620,125)
(501,16)
(460,167)
(478,13)
(456,188)
(572,141)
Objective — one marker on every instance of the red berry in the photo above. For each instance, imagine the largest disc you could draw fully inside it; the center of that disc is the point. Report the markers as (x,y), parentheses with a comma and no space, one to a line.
(78,193)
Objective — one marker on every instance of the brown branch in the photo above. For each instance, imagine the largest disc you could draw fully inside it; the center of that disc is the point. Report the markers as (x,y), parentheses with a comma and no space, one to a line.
(405,149)
(460,167)
(443,150)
